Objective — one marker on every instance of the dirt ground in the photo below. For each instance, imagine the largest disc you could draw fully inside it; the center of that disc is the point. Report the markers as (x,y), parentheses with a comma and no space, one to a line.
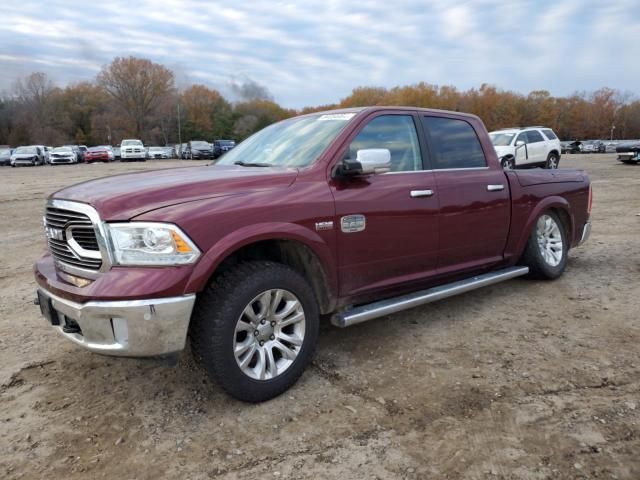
(522,380)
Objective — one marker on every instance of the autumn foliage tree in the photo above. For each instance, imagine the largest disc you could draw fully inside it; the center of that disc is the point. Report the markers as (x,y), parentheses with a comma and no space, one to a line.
(134,97)
(138,87)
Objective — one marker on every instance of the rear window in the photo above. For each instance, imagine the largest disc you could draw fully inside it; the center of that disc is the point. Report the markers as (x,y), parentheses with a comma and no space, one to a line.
(454,143)
(549,134)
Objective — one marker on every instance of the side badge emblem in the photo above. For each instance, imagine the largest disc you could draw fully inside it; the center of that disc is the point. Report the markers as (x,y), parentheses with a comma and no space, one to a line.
(353,223)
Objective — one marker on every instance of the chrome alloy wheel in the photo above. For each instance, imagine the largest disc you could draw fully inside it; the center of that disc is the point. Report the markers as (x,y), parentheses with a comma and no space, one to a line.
(549,240)
(269,334)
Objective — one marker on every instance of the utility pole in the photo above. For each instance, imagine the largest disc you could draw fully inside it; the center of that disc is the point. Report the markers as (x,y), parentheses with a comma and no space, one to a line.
(179,132)
(613,127)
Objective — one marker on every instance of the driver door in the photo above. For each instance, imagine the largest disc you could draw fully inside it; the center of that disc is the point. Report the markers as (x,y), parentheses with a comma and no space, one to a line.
(387,224)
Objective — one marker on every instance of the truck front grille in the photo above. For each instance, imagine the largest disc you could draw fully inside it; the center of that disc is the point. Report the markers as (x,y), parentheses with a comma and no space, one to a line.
(66,227)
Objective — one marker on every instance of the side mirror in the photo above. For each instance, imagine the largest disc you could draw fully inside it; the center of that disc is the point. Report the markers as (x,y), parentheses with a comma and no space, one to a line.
(368,161)
(519,143)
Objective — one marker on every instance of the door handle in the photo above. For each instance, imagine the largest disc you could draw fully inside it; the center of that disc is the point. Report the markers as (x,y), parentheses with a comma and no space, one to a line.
(421,193)
(495,188)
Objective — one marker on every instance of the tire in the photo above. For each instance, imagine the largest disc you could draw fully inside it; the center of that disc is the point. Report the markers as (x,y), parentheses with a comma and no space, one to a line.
(508,163)
(552,161)
(545,257)
(220,327)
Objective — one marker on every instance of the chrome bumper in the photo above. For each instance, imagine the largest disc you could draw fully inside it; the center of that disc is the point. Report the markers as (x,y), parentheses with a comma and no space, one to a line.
(135,328)
(586,231)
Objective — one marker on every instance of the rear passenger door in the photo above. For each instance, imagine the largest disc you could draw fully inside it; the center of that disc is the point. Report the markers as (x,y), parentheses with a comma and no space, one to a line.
(474,200)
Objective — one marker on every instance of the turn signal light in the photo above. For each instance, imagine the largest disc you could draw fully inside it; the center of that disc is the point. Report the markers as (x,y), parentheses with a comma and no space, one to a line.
(181,245)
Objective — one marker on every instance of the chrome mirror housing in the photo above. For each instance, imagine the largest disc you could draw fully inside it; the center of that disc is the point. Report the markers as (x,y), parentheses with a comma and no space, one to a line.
(374,160)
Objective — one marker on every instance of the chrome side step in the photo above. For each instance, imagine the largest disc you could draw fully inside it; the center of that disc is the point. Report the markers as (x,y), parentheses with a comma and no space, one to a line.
(392,305)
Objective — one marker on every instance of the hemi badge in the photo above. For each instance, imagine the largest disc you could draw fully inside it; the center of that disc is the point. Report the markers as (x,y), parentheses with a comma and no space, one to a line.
(353,223)
(324,226)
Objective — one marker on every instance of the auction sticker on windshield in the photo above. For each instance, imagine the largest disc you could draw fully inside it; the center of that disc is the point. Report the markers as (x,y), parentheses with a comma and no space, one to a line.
(336,116)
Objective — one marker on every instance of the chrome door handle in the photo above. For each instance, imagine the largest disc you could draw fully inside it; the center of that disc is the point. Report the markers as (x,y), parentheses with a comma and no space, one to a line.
(495,188)
(421,193)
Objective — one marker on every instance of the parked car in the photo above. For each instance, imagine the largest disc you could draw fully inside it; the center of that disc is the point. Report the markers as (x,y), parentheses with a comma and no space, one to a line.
(97,154)
(109,150)
(527,147)
(5,156)
(132,149)
(157,152)
(116,153)
(299,220)
(221,147)
(79,153)
(31,155)
(171,151)
(610,147)
(629,152)
(62,155)
(198,150)
(593,146)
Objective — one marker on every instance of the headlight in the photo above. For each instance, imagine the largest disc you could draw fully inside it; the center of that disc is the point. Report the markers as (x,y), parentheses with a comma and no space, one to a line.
(141,243)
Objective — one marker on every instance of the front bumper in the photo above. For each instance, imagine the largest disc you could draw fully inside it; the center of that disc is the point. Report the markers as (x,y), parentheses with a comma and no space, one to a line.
(129,328)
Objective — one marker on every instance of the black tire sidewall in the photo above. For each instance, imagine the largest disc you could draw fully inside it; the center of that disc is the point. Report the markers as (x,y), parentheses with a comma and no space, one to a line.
(220,330)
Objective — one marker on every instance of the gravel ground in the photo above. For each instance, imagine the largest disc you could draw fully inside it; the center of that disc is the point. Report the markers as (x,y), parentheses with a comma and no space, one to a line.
(522,380)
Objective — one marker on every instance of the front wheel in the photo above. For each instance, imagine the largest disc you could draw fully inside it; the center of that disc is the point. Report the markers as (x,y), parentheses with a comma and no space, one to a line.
(547,247)
(255,329)
(552,161)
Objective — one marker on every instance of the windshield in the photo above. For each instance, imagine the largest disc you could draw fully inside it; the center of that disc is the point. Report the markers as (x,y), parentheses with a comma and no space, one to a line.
(155,149)
(26,150)
(501,139)
(97,149)
(129,143)
(62,150)
(296,142)
(200,145)
(226,143)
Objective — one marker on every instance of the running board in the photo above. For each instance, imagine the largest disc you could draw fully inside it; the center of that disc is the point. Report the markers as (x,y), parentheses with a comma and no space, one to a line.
(392,305)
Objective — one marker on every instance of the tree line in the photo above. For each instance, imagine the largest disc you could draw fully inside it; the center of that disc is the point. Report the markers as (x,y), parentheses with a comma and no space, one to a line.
(137,98)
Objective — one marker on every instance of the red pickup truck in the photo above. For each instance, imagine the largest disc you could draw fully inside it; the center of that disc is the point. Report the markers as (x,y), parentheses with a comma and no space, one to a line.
(353,214)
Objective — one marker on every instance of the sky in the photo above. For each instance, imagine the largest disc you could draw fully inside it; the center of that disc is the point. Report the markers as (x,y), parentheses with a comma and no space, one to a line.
(315,52)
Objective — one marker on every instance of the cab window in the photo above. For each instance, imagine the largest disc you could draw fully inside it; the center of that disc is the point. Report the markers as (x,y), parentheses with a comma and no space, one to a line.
(453,143)
(398,134)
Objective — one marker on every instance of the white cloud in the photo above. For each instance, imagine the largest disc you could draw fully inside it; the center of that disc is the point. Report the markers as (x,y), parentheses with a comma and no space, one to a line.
(316,51)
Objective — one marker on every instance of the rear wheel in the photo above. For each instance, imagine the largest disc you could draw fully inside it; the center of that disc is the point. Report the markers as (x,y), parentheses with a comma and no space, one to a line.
(255,329)
(547,247)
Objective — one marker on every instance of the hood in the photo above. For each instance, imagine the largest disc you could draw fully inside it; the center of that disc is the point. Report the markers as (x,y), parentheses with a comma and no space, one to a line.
(503,150)
(122,197)
(18,156)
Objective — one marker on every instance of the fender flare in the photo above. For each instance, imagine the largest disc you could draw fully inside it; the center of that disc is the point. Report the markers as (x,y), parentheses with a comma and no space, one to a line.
(553,202)
(249,234)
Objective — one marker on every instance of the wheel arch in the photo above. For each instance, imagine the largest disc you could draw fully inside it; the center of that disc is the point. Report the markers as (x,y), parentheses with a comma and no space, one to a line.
(289,244)
(556,204)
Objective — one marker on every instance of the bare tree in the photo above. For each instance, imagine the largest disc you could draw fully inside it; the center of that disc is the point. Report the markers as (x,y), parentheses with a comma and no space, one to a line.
(138,86)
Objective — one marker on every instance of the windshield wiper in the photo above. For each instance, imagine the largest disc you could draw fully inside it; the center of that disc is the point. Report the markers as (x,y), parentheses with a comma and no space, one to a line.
(252,164)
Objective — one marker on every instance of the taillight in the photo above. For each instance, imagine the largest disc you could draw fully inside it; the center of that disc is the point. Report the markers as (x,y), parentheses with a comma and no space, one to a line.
(590,200)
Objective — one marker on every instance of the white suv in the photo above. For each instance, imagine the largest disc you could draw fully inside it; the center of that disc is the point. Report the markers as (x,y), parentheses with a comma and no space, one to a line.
(132,149)
(527,146)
